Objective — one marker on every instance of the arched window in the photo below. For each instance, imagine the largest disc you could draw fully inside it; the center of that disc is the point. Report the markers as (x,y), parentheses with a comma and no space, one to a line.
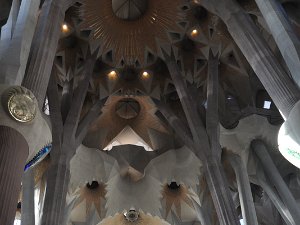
(264,101)
(128,137)
(17,222)
(46,109)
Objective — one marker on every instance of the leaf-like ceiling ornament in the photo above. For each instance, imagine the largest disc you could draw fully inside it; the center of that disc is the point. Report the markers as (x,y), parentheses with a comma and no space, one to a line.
(93,195)
(174,197)
(127,41)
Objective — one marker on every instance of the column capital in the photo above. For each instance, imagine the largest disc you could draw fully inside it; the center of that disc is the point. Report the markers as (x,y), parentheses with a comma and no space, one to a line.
(36,131)
(289,137)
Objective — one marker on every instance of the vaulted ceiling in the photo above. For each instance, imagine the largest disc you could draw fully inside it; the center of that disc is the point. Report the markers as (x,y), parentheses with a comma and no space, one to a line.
(128,37)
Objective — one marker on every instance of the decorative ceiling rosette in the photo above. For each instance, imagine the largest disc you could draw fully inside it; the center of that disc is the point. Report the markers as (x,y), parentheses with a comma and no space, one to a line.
(143,219)
(144,122)
(93,195)
(175,195)
(135,29)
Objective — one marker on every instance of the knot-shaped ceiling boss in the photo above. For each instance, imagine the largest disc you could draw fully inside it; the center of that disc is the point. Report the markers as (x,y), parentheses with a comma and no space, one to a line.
(144,219)
(128,108)
(135,28)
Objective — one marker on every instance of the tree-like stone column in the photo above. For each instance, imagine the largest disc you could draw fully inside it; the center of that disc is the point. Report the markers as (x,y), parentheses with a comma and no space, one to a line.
(13,155)
(272,194)
(245,194)
(219,190)
(44,47)
(68,132)
(284,35)
(273,174)
(57,188)
(16,39)
(205,144)
(275,79)
(27,210)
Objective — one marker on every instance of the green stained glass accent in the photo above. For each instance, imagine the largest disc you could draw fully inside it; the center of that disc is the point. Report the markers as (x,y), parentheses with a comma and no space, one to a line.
(293,153)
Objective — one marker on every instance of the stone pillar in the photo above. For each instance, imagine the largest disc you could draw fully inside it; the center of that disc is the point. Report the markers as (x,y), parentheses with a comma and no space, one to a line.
(27,210)
(16,39)
(284,35)
(275,79)
(44,48)
(271,192)
(202,216)
(40,64)
(273,174)
(219,190)
(56,192)
(68,134)
(245,194)
(13,154)
(214,172)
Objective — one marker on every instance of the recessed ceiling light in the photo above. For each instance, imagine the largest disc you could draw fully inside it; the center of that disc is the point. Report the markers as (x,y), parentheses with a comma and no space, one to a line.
(112,75)
(194,33)
(65,27)
(145,74)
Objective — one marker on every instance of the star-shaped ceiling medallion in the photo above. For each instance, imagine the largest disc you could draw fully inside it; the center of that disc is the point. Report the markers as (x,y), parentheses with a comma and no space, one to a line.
(94,195)
(174,195)
(139,115)
(128,31)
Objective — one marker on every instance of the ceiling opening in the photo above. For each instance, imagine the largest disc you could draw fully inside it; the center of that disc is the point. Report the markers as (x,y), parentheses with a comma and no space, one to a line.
(128,137)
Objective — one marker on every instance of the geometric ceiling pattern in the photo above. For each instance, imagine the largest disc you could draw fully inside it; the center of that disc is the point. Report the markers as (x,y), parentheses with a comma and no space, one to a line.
(132,42)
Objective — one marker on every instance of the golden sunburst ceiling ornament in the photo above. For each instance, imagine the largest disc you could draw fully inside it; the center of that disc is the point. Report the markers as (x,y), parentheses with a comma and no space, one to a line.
(94,194)
(174,195)
(128,31)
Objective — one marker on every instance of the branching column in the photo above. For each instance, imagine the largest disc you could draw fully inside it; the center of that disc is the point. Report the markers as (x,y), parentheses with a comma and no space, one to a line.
(44,47)
(275,79)
(275,177)
(56,191)
(202,216)
(245,194)
(272,194)
(27,210)
(40,63)
(13,155)
(283,33)
(205,144)
(68,133)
